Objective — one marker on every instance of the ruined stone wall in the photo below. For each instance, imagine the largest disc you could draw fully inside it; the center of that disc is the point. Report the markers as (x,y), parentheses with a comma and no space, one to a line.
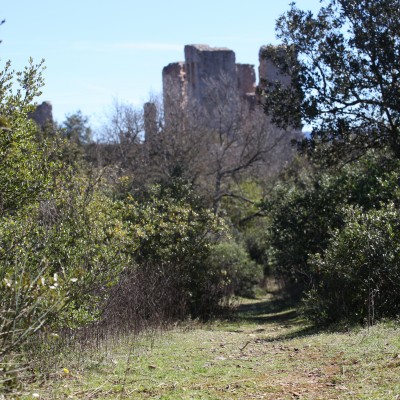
(174,89)
(205,70)
(205,65)
(150,121)
(246,79)
(187,83)
(43,114)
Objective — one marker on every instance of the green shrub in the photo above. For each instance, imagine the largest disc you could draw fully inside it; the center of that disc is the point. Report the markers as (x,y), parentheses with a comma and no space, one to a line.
(304,212)
(233,269)
(56,259)
(171,234)
(26,165)
(359,272)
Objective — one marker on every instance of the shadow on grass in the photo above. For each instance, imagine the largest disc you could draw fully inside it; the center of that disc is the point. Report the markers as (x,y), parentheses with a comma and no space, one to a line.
(300,333)
(264,311)
(276,311)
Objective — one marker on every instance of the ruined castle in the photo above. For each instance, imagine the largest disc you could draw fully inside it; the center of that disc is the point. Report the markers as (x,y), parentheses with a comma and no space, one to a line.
(188,82)
(192,83)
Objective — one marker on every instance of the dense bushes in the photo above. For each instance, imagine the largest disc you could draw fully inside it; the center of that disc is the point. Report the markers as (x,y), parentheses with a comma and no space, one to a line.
(172,233)
(359,272)
(79,250)
(232,267)
(83,254)
(329,228)
(56,257)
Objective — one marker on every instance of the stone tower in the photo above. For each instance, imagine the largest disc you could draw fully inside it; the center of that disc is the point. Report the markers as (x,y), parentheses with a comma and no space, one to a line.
(43,115)
(150,121)
(174,90)
(204,64)
(187,83)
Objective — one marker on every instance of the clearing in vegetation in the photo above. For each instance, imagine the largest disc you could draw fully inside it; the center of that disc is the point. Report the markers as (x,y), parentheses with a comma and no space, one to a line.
(266,351)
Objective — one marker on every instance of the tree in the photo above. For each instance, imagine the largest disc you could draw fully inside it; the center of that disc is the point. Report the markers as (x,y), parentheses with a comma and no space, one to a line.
(25,175)
(125,125)
(76,128)
(25,166)
(364,255)
(240,143)
(120,138)
(344,64)
(219,143)
(306,208)
(171,276)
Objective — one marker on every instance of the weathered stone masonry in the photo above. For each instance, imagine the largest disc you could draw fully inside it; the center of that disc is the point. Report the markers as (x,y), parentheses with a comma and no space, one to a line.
(186,82)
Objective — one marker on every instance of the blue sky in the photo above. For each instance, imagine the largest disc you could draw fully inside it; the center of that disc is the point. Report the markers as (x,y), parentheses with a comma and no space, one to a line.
(96,51)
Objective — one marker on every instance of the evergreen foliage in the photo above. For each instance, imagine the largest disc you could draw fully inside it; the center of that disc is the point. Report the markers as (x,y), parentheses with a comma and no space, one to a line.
(344,67)
(359,273)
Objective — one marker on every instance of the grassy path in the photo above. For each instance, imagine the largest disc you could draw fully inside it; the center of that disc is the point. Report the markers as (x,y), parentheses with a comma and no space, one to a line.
(268,352)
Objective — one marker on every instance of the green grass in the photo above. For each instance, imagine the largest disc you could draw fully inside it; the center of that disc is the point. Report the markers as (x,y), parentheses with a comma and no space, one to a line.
(266,352)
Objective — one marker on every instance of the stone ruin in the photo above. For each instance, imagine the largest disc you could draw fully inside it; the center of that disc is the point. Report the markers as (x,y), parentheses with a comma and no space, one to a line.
(186,83)
(43,115)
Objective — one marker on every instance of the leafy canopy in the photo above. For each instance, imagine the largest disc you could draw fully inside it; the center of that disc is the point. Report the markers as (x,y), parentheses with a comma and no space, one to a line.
(344,64)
